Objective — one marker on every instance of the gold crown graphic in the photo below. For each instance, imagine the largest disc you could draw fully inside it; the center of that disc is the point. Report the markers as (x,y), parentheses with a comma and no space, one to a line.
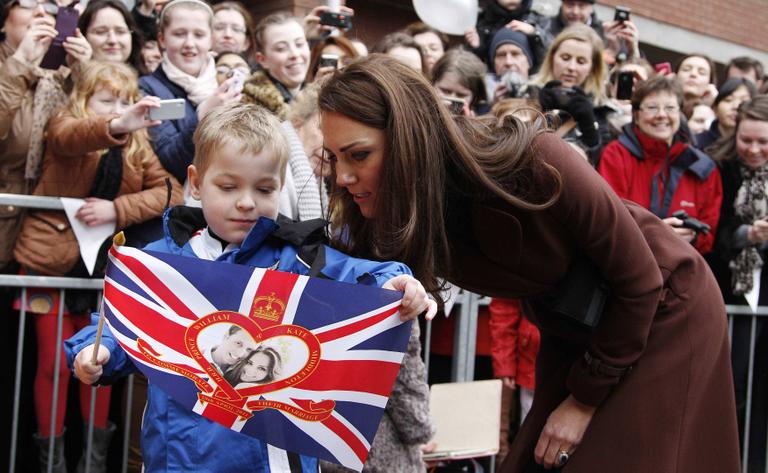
(267,307)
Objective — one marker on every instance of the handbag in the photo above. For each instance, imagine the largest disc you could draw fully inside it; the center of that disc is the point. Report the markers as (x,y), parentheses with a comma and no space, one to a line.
(581,295)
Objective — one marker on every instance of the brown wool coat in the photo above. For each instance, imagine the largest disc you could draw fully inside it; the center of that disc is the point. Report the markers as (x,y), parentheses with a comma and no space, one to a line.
(674,412)
(74,147)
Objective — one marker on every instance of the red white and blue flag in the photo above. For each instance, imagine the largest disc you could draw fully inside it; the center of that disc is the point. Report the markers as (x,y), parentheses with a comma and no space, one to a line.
(339,347)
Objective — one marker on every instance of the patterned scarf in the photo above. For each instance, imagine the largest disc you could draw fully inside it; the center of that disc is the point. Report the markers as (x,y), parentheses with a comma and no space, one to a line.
(49,97)
(751,204)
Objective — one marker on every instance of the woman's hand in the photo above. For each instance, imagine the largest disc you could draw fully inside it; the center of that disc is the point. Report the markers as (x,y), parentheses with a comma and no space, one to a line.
(312,27)
(615,31)
(686,234)
(563,431)
(78,49)
(85,370)
(415,300)
(758,232)
(472,38)
(225,94)
(324,73)
(135,117)
(509,382)
(97,212)
(36,41)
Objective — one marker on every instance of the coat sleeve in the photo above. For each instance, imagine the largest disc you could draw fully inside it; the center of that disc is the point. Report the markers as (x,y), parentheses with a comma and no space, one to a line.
(16,79)
(150,202)
(172,139)
(341,267)
(601,226)
(505,326)
(70,137)
(408,405)
(613,168)
(712,196)
(119,364)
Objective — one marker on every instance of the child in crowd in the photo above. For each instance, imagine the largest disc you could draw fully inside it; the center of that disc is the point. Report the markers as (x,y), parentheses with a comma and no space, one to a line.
(238,171)
(260,366)
(187,72)
(97,149)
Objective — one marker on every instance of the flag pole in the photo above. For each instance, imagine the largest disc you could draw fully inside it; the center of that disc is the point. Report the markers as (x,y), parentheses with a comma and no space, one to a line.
(117,240)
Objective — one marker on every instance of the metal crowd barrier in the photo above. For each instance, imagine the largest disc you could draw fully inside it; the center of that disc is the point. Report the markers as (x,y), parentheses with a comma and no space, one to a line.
(462,369)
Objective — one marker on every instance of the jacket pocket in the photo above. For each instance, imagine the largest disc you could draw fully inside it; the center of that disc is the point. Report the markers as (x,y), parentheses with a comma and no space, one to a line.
(47,244)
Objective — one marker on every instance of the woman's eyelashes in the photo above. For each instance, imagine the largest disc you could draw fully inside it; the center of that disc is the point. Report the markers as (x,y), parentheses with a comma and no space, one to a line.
(359,155)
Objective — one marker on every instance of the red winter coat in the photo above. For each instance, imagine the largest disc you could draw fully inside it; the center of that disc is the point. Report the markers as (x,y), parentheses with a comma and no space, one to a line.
(632,162)
(514,342)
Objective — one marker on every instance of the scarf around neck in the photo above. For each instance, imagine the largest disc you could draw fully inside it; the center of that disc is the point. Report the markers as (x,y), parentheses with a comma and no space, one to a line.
(197,88)
(751,204)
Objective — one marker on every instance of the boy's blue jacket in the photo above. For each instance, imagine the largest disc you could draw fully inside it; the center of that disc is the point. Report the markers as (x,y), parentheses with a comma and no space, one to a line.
(175,439)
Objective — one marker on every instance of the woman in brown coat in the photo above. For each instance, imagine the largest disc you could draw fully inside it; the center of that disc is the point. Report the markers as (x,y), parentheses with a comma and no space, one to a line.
(96,150)
(508,210)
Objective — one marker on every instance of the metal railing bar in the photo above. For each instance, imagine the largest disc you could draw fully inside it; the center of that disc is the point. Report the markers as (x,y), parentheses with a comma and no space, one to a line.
(56,375)
(32,201)
(748,409)
(17,381)
(15,280)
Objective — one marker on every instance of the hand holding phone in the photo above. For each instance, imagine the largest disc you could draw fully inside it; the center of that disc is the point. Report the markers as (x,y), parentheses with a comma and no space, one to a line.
(66,24)
(625,82)
(343,21)
(329,60)
(173,109)
(621,14)
(663,68)
(238,80)
(456,106)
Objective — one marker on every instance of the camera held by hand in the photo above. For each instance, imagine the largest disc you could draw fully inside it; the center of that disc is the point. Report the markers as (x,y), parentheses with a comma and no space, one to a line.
(689,222)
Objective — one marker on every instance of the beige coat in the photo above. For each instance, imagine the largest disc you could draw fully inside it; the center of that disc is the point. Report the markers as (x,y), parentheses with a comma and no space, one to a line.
(74,147)
(17,86)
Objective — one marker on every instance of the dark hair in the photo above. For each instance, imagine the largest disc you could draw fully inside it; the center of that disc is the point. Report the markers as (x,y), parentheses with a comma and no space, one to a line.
(431,158)
(468,68)
(234,374)
(712,76)
(745,63)
(755,109)
(317,51)
(403,40)
(654,85)
(419,27)
(730,86)
(137,39)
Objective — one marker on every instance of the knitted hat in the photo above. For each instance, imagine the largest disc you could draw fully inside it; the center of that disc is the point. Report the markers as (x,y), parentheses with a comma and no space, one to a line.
(507,36)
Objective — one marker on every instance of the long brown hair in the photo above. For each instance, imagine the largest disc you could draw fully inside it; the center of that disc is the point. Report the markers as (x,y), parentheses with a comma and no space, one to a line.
(755,109)
(430,156)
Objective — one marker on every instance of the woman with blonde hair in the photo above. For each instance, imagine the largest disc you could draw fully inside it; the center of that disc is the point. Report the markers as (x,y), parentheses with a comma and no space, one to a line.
(572,79)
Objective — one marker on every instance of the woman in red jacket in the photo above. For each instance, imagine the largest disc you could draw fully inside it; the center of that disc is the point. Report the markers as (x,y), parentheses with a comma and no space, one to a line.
(653,164)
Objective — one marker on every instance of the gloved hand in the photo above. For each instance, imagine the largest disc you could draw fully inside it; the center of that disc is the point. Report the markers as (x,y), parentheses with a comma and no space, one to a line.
(581,109)
(551,96)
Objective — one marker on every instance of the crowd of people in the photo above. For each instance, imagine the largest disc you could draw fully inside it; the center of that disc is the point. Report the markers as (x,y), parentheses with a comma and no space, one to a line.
(535,152)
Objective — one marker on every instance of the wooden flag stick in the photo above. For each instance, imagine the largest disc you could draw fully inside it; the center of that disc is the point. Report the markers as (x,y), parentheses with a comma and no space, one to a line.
(117,240)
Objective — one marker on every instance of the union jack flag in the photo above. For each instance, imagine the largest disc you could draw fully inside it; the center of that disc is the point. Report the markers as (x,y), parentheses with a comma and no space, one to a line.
(339,346)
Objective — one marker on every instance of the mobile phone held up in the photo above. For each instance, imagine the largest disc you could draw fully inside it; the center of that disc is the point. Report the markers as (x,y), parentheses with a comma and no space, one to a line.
(173,109)
(456,106)
(624,84)
(66,24)
(329,60)
(239,81)
(663,68)
(342,21)
(622,14)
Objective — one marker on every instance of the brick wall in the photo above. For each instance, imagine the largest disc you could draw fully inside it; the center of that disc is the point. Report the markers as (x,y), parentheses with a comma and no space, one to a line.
(739,21)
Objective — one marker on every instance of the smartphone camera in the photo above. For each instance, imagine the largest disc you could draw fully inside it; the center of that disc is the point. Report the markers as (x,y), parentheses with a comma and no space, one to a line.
(239,81)
(329,60)
(456,106)
(342,21)
(624,83)
(622,14)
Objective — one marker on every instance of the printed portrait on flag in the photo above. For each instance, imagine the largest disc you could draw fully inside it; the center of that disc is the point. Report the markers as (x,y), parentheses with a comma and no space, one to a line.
(304,364)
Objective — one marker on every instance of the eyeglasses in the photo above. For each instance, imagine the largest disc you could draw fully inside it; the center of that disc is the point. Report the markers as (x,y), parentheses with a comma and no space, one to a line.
(50,6)
(219,27)
(226,70)
(655,109)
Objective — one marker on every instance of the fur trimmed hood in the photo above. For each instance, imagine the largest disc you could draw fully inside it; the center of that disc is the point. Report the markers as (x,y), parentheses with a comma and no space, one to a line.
(260,89)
